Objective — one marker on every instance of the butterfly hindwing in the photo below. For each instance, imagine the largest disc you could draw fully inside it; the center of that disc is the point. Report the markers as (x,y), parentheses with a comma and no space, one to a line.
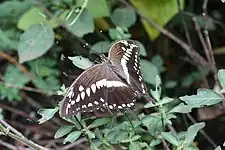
(125,55)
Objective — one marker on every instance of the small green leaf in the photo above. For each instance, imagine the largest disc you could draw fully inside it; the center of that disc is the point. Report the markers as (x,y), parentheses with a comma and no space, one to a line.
(192,132)
(221,77)
(46,114)
(81,62)
(80,26)
(135,138)
(204,97)
(124,17)
(149,71)
(101,47)
(170,138)
(150,104)
(166,100)
(224,144)
(35,42)
(155,142)
(118,34)
(181,108)
(134,146)
(72,137)
(142,48)
(33,16)
(63,130)
(218,148)
(99,122)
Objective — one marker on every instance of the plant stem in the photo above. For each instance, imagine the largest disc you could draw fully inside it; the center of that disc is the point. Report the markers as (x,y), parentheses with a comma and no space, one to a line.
(19,137)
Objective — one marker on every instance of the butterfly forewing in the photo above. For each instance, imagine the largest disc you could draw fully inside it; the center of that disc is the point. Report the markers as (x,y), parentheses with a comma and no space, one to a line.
(125,55)
(97,89)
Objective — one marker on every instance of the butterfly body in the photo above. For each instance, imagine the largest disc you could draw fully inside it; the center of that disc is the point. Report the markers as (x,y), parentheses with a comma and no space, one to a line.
(109,86)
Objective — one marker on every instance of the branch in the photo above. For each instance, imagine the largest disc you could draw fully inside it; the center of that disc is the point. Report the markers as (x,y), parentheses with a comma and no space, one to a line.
(18,136)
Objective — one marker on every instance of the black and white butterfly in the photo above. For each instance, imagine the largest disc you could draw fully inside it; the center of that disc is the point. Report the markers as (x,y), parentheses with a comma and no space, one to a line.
(114,84)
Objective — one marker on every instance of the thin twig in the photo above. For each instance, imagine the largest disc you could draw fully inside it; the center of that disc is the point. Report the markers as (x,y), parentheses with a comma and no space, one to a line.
(201,38)
(209,45)
(189,50)
(18,136)
(9,146)
(50,93)
(16,111)
(187,34)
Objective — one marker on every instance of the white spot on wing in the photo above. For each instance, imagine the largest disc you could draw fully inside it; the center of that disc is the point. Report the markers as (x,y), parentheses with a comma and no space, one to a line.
(78,98)
(124,42)
(67,108)
(110,107)
(81,88)
(102,100)
(115,84)
(123,105)
(125,69)
(96,103)
(84,106)
(88,91)
(72,102)
(93,88)
(120,107)
(90,105)
(101,83)
(70,94)
(82,95)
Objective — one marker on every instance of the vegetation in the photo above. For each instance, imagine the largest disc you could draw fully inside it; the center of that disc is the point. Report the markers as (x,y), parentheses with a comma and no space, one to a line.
(45,45)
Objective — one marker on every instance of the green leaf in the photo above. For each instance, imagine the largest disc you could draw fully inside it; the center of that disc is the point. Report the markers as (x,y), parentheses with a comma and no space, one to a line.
(81,62)
(72,137)
(134,146)
(135,138)
(153,122)
(10,78)
(160,11)
(171,84)
(221,77)
(170,138)
(204,97)
(78,26)
(46,114)
(99,9)
(63,130)
(35,42)
(33,16)
(149,71)
(223,143)
(158,62)
(124,17)
(181,108)
(142,48)
(118,34)
(101,47)
(99,122)
(192,132)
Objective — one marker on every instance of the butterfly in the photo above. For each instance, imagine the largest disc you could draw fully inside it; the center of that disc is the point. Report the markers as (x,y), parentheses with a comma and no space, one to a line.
(112,85)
